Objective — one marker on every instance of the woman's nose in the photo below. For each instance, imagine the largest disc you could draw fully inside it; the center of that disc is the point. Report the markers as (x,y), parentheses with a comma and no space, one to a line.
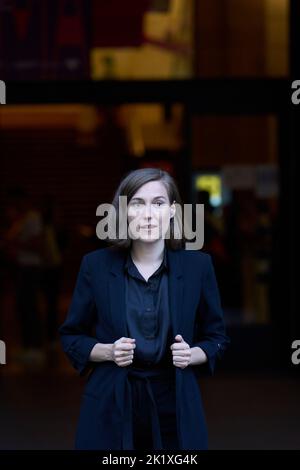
(147,211)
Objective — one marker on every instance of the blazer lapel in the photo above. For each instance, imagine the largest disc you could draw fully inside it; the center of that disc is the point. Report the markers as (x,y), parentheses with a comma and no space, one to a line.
(175,290)
(117,292)
(117,299)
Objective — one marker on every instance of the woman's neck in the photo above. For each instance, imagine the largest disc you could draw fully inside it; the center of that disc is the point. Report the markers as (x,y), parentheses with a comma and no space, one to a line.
(148,253)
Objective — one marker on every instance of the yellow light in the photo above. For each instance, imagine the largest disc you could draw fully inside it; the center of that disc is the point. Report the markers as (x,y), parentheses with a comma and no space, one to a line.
(212,184)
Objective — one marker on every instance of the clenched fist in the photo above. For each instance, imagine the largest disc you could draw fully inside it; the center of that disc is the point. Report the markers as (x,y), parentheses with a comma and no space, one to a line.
(181,352)
(122,351)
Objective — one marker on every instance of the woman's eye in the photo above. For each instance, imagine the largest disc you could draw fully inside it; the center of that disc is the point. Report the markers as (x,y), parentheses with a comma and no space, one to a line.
(139,204)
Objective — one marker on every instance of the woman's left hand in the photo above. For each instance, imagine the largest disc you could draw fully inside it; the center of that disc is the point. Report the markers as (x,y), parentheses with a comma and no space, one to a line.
(181,352)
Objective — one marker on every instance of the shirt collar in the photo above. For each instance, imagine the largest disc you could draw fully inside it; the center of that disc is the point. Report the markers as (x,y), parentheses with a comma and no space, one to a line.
(129,263)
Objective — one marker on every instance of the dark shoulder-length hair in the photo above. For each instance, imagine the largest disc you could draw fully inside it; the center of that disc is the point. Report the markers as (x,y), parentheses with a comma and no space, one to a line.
(130,184)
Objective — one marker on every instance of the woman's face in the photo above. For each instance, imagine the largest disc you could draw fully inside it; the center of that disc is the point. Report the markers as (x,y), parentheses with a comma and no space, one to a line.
(149,212)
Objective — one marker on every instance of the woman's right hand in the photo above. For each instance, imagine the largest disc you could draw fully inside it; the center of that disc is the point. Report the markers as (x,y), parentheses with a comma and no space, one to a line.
(122,351)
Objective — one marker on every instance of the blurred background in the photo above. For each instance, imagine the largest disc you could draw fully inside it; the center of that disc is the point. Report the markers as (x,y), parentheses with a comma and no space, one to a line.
(200,88)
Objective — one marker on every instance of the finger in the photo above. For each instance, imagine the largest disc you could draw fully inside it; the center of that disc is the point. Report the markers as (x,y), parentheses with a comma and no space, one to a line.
(182,353)
(179,346)
(127,340)
(177,364)
(125,347)
(180,364)
(128,347)
(179,359)
(123,364)
(125,358)
(123,353)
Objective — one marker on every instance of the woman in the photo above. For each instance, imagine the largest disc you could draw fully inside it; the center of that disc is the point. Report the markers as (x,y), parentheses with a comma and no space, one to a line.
(158,323)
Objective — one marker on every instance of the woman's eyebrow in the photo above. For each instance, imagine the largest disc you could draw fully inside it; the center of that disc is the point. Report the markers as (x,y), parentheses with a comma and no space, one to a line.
(141,199)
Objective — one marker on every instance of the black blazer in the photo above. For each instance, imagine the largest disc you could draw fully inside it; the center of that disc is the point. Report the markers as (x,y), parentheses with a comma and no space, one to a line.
(97,314)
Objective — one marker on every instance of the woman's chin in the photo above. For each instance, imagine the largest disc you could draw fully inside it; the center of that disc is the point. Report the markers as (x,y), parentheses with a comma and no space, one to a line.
(147,238)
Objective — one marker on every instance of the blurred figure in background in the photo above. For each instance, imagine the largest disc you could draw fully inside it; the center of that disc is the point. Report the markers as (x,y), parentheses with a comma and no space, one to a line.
(51,272)
(22,244)
(213,229)
(233,243)
(214,241)
(263,255)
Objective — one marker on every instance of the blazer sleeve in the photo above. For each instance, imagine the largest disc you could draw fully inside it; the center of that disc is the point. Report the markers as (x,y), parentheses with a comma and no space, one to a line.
(75,332)
(210,330)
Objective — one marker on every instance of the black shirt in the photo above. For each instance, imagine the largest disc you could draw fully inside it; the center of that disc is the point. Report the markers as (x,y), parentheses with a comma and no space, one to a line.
(147,313)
